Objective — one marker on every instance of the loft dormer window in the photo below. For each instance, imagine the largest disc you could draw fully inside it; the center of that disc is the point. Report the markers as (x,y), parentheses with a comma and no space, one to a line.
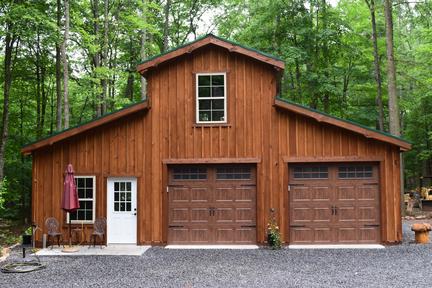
(211,98)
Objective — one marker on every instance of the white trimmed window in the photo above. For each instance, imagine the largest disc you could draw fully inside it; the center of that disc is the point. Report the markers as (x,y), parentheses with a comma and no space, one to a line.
(211,104)
(86,187)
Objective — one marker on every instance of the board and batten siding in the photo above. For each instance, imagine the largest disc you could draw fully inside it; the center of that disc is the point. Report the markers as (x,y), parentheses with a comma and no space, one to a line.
(141,144)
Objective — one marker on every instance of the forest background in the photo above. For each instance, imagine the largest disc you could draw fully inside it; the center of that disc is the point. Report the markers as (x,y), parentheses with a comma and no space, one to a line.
(67,62)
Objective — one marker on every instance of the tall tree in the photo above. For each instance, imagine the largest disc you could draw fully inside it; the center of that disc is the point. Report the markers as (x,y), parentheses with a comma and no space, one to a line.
(377,69)
(10,42)
(166,25)
(58,72)
(65,66)
(393,103)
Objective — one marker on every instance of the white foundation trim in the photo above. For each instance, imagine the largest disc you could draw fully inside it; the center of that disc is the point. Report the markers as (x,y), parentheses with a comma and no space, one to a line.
(338,246)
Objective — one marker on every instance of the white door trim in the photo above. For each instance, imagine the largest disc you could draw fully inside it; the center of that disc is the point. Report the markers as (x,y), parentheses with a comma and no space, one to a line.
(122,225)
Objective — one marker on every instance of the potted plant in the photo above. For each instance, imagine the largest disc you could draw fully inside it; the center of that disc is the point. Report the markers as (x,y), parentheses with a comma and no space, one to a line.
(273,233)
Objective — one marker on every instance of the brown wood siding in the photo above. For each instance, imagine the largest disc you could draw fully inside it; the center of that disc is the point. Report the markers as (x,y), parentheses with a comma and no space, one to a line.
(140,145)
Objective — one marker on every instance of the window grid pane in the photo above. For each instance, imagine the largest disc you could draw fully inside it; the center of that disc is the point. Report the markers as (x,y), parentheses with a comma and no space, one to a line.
(122,196)
(358,171)
(233,173)
(311,172)
(211,98)
(189,173)
(85,189)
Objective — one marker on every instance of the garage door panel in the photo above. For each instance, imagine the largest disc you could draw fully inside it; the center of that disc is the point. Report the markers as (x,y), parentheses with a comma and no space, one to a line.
(323,235)
(180,195)
(245,215)
(213,205)
(199,235)
(179,215)
(302,235)
(368,234)
(245,235)
(368,214)
(321,194)
(302,215)
(199,215)
(339,204)
(346,214)
(346,235)
(224,195)
(224,215)
(245,195)
(200,195)
(179,235)
(301,194)
(368,193)
(322,215)
(346,193)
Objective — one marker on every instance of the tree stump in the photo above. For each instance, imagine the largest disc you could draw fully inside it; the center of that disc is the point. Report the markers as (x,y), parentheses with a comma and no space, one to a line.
(421,231)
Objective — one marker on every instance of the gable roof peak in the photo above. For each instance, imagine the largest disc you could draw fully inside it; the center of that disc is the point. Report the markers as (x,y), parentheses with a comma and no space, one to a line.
(209,39)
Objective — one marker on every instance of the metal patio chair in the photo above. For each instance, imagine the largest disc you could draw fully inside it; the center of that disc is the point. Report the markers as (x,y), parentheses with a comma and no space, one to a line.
(99,228)
(52,225)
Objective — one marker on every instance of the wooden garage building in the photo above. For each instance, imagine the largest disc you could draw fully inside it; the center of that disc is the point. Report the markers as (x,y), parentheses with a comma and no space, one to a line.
(211,150)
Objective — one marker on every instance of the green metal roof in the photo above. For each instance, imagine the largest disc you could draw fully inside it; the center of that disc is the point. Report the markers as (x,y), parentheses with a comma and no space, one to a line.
(206,36)
(84,123)
(341,119)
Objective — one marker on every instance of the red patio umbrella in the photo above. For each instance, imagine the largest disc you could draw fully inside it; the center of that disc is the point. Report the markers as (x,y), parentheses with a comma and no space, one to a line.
(70,201)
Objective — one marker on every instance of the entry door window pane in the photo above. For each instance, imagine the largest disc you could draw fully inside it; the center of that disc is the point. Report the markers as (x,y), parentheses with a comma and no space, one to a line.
(122,196)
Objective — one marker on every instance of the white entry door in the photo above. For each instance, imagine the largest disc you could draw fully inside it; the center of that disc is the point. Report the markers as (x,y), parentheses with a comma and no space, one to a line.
(121,211)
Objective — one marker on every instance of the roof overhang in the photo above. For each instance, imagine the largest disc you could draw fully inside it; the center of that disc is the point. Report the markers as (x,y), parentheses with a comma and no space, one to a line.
(342,123)
(50,140)
(209,40)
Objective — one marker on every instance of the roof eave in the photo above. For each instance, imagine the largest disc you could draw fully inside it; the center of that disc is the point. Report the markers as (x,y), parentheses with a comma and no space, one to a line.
(50,140)
(321,117)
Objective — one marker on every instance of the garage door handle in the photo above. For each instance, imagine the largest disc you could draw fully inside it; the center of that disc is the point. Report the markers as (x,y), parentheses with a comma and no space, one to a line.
(371,225)
(175,226)
(247,185)
(248,226)
(297,226)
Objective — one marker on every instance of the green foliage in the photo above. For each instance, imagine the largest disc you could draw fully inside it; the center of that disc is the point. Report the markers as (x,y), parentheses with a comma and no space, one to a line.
(273,233)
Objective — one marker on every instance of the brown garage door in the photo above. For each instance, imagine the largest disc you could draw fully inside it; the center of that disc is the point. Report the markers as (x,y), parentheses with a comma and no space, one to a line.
(334,203)
(212,204)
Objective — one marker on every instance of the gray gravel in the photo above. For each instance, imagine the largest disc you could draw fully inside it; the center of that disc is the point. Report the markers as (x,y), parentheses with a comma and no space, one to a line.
(406,265)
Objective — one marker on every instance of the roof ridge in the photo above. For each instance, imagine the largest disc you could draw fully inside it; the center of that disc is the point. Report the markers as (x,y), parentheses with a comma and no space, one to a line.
(204,37)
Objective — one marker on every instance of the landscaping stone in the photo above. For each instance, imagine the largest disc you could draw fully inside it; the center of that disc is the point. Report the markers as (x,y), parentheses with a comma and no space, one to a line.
(406,265)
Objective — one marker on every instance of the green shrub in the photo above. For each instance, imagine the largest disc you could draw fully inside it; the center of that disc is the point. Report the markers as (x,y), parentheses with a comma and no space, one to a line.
(273,233)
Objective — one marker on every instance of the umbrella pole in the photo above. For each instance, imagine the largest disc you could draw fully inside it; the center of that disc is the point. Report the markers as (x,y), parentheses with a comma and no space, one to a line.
(70,249)
(70,234)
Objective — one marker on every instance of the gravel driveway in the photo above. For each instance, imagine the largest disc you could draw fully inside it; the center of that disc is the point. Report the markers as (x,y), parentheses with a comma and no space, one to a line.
(406,265)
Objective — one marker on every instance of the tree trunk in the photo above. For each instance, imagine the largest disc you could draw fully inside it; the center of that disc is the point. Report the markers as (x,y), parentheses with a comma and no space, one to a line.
(378,99)
(9,46)
(166,25)
(96,56)
(65,66)
(58,73)
(38,88)
(143,54)
(391,72)
(104,81)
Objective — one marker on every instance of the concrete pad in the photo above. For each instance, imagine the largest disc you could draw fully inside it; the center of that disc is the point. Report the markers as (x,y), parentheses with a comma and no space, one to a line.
(111,250)
(338,246)
(199,247)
